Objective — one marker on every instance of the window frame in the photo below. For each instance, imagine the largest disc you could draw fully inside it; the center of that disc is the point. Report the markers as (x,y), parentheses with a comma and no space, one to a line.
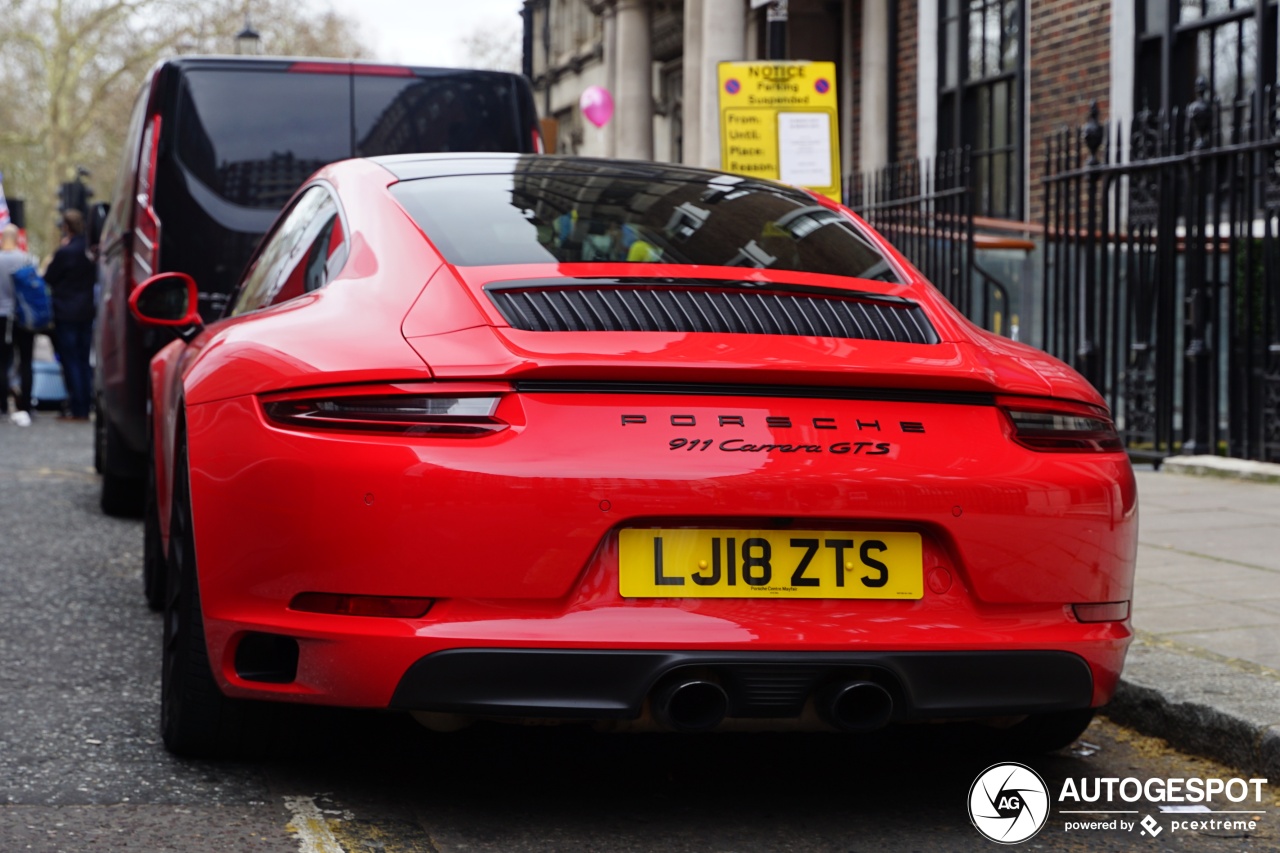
(254,294)
(1170,51)
(960,95)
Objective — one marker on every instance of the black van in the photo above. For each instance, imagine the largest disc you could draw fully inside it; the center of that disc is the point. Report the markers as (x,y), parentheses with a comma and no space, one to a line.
(216,146)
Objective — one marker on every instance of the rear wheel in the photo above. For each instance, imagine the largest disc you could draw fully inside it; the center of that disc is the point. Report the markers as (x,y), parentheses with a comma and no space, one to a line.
(196,719)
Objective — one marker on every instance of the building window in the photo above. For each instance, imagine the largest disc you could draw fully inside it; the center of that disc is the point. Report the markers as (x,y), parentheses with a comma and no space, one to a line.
(1181,41)
(980,97)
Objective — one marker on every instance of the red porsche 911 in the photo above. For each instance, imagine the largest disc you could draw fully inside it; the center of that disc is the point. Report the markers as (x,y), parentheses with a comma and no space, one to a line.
(532,438)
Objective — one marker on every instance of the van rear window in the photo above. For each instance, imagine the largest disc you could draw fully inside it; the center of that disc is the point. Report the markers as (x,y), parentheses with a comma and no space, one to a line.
(253,137)
(436,111)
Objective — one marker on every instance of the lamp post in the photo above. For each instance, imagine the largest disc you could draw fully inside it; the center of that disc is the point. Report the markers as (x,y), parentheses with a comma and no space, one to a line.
(248,42)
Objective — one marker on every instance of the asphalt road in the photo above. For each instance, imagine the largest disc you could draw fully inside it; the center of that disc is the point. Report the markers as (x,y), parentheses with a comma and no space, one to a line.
(82,768)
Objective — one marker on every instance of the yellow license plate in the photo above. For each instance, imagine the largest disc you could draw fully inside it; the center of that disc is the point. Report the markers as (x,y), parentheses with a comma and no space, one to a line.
(682,563)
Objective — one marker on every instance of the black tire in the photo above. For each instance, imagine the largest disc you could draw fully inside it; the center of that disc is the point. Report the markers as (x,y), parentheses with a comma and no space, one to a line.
(196,719)
(122,496)
(1047,732)
(99,436)
(153,558)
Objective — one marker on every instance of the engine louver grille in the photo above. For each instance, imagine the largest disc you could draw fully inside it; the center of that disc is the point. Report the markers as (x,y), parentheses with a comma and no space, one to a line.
(642,308)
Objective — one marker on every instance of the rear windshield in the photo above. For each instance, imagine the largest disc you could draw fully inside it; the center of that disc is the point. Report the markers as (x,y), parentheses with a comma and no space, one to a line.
(542,214)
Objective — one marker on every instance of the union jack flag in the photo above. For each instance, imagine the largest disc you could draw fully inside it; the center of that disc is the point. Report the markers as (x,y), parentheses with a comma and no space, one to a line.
(4,205)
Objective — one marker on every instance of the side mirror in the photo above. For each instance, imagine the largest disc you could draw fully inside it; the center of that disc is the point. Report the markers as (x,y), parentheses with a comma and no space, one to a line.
(169,299)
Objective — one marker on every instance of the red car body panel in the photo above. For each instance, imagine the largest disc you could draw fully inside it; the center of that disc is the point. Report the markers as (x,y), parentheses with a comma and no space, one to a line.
(514,534)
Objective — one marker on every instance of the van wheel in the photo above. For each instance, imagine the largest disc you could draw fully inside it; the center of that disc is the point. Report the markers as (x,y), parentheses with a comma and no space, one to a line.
(99,436)
(196,719)
(122,497)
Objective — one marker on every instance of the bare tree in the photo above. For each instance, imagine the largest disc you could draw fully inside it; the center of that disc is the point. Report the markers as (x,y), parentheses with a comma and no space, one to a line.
(493,46)
(70,69)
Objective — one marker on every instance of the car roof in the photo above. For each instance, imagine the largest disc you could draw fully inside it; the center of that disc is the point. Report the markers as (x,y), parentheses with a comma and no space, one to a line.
(279,63)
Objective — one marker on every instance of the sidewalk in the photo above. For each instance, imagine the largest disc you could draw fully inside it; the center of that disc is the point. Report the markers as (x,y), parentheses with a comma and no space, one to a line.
(1204,670)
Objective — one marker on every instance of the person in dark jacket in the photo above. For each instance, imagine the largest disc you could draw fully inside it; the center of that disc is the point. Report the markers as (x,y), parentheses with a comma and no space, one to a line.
(71,276)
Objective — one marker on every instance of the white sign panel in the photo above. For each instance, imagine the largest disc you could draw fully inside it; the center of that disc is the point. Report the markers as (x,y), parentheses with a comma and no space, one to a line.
(804,149)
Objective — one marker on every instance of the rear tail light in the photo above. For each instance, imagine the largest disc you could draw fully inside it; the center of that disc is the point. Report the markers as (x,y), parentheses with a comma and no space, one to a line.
(388,606)
(538,146)
(393,409)
(1058,426)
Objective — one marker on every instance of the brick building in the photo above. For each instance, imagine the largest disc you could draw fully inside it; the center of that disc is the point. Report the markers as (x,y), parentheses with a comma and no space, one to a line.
(916,77)
(1148,262)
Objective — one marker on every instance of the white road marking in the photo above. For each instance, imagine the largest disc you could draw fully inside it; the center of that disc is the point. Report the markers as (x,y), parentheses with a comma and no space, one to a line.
(312,827)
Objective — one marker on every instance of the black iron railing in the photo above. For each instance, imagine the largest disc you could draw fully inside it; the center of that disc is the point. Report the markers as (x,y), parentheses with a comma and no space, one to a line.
(925,209)
(1162,274)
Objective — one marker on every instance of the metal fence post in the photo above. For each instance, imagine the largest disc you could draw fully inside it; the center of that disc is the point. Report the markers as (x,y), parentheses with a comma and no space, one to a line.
(1198,405)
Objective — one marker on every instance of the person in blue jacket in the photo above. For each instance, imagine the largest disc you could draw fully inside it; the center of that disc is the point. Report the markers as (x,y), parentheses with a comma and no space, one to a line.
(71,276)
(14,339)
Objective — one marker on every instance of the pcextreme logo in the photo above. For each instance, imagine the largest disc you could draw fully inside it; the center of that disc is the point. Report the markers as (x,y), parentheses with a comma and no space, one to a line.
(1010,803)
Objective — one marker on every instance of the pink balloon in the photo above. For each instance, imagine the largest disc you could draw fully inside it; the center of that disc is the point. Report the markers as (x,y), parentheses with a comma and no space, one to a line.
(597,105)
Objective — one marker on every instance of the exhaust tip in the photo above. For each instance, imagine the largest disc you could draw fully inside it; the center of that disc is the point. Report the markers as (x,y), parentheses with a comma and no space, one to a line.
(692,705)
(856,706)
(267,658)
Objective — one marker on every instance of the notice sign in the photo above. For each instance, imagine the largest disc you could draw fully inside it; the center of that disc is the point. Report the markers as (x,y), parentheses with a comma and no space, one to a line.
(778,121)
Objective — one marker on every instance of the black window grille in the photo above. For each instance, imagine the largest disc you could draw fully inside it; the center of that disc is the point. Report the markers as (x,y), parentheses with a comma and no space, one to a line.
(980,97)
(1230,44)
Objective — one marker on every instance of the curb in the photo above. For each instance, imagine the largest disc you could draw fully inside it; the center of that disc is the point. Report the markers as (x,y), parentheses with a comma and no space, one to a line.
(1215,708)
(1223,466)
(1222,709)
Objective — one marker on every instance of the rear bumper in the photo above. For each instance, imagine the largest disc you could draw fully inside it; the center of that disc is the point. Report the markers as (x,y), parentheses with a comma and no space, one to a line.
(575,683)
(499,659)
(516,536)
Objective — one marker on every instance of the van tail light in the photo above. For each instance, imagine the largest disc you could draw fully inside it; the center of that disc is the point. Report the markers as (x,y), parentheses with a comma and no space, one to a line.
(350,68)
(538,146)
(1060,426)
(403,410)
(320,68)
(146,225)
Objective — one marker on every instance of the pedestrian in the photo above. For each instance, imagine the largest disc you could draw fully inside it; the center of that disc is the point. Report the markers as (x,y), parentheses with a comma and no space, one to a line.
(71,276)
(14,339)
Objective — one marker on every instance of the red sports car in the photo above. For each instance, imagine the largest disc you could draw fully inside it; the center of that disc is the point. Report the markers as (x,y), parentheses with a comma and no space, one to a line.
(537,438)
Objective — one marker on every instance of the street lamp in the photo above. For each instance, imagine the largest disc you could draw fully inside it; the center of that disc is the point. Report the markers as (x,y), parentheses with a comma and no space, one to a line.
(248,42)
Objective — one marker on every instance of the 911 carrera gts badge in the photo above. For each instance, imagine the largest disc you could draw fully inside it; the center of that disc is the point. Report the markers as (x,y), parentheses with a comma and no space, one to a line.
(701,444)
(737,445)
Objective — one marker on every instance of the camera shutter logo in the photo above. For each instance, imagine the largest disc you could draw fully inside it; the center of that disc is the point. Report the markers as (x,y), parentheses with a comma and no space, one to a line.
(1009,803)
